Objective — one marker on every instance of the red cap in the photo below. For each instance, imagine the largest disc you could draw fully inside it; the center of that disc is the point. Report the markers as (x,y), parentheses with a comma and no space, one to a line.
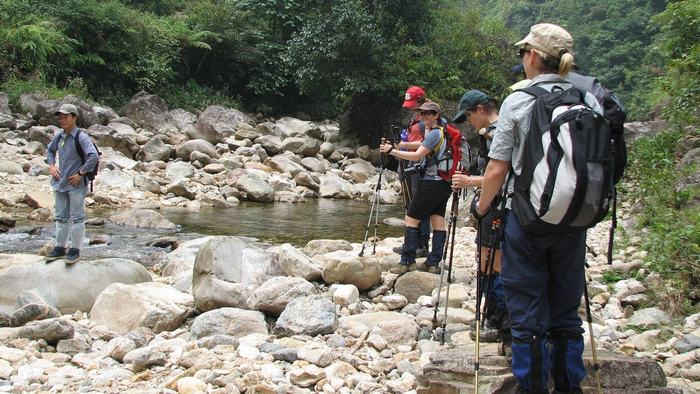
(413,94)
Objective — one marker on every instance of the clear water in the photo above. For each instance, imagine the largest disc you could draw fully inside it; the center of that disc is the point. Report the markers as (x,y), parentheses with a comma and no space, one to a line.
(269,223)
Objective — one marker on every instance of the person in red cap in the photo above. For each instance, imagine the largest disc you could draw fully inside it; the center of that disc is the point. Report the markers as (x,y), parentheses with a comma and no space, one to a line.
(415,133)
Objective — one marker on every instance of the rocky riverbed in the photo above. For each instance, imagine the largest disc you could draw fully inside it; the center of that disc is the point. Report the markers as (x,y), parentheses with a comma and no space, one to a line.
(228,314)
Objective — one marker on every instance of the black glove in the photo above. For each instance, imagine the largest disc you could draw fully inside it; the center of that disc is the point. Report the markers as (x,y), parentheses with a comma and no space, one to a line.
(472,208)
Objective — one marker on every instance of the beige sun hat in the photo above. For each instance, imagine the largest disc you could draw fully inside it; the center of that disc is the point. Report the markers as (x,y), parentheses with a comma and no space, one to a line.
(548,38)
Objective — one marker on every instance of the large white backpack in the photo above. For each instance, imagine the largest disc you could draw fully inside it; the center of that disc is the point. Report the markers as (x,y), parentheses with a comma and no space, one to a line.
(566,179)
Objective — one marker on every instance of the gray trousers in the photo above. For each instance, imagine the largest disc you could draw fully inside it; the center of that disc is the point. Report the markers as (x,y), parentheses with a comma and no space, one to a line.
(70,217)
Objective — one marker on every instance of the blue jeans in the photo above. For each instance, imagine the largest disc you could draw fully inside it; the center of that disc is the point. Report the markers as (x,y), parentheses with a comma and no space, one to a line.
(70,217)
(543,279)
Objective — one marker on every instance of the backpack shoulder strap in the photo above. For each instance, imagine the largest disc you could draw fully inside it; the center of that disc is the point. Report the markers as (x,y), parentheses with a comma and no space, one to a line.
(534,91)
(443,137)
(78,147)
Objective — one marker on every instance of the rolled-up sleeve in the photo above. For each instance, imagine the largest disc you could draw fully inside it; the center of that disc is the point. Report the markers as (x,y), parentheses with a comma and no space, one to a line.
(504,136)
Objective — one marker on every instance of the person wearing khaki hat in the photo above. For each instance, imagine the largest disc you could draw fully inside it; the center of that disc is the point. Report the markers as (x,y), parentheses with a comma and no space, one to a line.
(431,200)
(69,183)
(542,275)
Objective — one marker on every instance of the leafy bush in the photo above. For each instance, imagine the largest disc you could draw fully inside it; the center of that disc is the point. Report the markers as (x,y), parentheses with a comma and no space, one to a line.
(15,87)
(194,97)
(671,228)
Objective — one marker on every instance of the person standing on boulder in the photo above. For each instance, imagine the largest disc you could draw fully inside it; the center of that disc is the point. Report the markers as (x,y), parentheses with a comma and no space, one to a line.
(542,275)
(69,183)
(481,112)
(415,134)
(431,200)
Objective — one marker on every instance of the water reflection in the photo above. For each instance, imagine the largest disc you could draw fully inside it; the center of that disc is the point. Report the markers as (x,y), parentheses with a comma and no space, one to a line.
(293,223)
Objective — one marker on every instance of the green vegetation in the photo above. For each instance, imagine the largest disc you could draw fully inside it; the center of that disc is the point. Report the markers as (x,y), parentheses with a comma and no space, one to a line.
(670,217)
(612,276)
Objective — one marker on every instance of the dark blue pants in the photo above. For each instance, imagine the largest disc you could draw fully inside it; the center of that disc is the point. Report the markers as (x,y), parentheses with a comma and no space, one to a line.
(543,279)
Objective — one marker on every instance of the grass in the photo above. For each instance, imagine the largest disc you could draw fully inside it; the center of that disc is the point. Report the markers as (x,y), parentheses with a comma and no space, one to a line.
(669,220)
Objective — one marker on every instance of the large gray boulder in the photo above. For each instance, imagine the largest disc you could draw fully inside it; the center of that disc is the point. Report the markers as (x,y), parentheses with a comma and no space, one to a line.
(333,186)
(66,287)
(7,121)
(227,270)
(142,218)
(178,170)
(153,305)
(293,262)
(312,315)
(184,150)
(182,259)
(415,284)
(228,321)
(286,162)
(46,109)
(154,149)
(292,127)
(359,171)
(347,268)
(271,143)
(217,122)
(114,179)
(151,112)
(254,188)
(323,246)
(305,146)
(105,136)
(648,318)
(184,120)
(28,102)
(11,167)
(5,104)
(104,114)
(274,295)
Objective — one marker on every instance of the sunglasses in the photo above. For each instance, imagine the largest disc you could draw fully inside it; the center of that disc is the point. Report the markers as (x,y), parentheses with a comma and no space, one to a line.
(523,51)
(427,112)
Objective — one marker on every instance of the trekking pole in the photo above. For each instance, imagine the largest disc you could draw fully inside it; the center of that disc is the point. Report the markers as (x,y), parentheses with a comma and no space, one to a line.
(589,317)
(377,193)
(490,262)
(371,211)
(442,278)
(453,226)
(477,317)
(450,233)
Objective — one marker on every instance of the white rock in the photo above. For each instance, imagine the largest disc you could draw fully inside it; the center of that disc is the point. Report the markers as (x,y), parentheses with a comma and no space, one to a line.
(190,385)
(345,295)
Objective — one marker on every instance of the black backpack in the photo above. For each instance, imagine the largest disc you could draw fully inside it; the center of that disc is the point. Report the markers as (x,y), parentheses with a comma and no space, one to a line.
(614,113)
(566,183)
(90,176)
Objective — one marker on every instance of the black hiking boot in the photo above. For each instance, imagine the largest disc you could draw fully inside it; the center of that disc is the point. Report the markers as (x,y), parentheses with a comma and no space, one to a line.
(56,253)
(73,256)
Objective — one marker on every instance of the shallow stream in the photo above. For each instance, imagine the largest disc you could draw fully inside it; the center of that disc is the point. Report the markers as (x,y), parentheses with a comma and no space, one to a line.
(270,223)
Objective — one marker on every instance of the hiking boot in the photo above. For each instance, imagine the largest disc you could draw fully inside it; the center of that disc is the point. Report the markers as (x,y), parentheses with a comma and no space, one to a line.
(434,269)
(73,256)
(487,333)
(397,249)
(431,268)
(56,253)
(402,268)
